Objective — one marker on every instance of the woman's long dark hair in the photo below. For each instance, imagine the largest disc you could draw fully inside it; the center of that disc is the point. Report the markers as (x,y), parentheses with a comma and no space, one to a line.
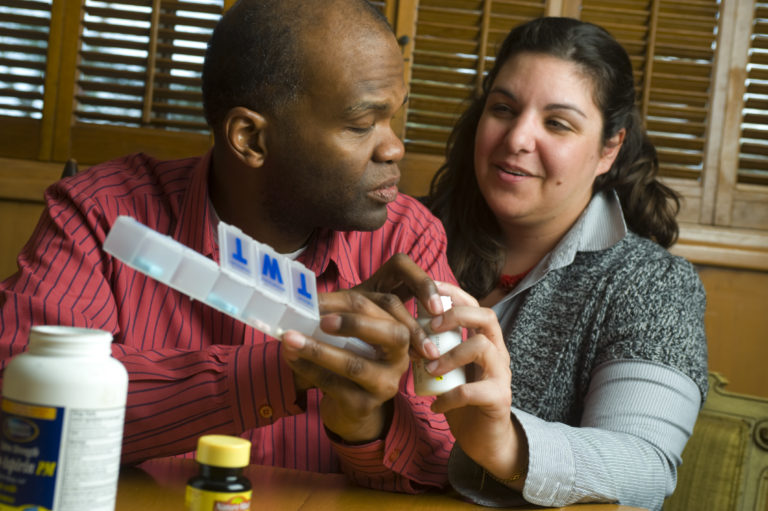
(475,246)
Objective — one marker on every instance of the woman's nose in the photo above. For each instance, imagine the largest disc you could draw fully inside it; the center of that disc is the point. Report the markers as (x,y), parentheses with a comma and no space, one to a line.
(521,134)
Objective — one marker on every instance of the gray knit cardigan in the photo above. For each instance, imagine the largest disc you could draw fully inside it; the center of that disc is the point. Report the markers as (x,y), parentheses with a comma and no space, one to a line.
(633,300)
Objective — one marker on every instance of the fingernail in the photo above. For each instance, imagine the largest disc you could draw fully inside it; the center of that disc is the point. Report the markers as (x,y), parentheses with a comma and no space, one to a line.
(294,340)
(331,322)
(431,366)
(436,304)
(436,322)
(430,349)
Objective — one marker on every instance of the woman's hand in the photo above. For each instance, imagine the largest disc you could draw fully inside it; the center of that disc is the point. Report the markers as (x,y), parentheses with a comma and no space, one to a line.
(479,411)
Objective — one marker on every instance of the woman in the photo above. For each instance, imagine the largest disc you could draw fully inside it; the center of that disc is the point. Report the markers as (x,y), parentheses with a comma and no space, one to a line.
(556,220)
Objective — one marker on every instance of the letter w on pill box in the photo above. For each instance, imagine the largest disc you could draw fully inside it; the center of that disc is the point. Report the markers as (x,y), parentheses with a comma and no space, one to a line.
(255,284)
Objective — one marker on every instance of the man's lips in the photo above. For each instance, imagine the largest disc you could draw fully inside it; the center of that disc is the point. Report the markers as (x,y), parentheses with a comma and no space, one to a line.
(385,193)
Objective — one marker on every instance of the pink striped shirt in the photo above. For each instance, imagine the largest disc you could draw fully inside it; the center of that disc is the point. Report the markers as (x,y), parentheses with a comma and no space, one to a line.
(194,370)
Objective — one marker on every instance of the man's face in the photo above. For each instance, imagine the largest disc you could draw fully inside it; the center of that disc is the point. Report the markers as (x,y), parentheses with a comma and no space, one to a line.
(332,159)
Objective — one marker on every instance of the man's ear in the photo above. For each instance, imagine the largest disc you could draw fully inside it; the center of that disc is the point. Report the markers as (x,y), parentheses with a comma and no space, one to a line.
(244,131)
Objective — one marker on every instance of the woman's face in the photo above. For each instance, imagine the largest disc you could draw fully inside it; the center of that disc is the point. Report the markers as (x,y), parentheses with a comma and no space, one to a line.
(538,147)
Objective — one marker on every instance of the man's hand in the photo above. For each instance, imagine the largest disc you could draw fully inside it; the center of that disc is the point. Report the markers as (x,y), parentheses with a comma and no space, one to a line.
(395,282)
(357,392)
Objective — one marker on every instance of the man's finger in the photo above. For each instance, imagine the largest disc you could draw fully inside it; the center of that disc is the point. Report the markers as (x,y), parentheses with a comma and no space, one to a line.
(333,369)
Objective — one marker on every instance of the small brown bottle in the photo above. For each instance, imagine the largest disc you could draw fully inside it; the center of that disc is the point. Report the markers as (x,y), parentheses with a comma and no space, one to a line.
(220,484)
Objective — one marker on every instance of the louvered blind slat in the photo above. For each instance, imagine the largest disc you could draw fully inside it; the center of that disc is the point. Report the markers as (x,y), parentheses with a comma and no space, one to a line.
(110,88)
(23,50)
(125,30)
(25,20)
(100,44)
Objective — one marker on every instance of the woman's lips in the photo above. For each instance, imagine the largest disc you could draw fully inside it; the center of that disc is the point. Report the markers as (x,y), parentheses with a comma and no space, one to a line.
(512,170)
(510,176)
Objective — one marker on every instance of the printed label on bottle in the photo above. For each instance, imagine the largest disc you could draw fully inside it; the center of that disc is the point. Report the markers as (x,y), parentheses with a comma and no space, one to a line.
(203,500)
(57,457)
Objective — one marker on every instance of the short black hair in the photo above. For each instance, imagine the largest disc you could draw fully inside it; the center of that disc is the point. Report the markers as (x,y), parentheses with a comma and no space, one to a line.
(254,57)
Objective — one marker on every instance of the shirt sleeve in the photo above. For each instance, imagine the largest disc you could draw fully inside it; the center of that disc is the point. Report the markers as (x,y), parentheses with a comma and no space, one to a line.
(414,454)
(637,418)
(175,394)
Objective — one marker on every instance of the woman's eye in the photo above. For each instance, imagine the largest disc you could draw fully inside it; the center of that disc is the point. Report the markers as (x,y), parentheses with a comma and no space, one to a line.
(501,108)
(557,125)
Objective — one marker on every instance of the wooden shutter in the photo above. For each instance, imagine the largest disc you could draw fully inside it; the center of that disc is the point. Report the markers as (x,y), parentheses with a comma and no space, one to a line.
(23,56)
(753,157)
(672,45)
(454,43)
(141,67)
(136,80)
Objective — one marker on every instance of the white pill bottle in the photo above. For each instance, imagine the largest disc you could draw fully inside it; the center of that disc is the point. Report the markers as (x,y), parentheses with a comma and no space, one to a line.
(61,422)
(424,384)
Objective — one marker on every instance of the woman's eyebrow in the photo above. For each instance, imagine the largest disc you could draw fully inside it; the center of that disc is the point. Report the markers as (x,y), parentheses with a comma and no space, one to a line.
(549,107)
(565,106)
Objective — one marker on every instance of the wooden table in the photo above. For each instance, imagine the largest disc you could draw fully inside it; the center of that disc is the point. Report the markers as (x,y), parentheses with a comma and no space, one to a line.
(159,485)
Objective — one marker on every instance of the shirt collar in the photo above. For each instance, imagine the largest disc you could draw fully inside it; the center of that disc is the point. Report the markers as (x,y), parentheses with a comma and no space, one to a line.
(600,226)
(196,228)
(330,250)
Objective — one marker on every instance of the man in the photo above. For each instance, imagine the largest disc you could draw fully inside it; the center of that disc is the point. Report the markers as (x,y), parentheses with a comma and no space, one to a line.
(300,95)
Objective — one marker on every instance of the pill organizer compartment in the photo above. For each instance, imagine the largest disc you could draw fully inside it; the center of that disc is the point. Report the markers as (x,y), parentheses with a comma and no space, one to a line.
(195,275)
(237,253)
(230,294)
(125,237)
(158,256)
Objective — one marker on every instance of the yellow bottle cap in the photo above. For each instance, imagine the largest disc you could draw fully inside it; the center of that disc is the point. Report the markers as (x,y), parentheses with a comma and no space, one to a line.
(223,451)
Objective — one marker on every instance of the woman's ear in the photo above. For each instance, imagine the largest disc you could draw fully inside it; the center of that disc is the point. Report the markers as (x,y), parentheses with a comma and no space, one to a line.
(244,134)
(610,152)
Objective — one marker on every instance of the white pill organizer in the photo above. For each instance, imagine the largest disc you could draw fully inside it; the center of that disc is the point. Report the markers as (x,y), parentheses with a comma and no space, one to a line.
(254,284)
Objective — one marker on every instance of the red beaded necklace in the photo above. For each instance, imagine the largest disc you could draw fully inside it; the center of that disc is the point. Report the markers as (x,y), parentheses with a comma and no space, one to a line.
(508,282)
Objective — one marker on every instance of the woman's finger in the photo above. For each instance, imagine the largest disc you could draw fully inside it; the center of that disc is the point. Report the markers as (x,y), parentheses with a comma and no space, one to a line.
(458,295)
(487,394)
(479,320)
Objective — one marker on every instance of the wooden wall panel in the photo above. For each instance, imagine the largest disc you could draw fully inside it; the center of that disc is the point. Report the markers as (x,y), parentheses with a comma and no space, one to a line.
(737,327)
(17,221)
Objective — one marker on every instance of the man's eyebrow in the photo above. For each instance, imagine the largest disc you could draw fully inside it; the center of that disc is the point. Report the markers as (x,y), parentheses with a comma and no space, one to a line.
(365,106)
(549,107)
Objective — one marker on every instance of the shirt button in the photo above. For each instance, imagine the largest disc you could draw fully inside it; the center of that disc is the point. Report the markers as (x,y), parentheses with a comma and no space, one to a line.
(393,455)
(265,411)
